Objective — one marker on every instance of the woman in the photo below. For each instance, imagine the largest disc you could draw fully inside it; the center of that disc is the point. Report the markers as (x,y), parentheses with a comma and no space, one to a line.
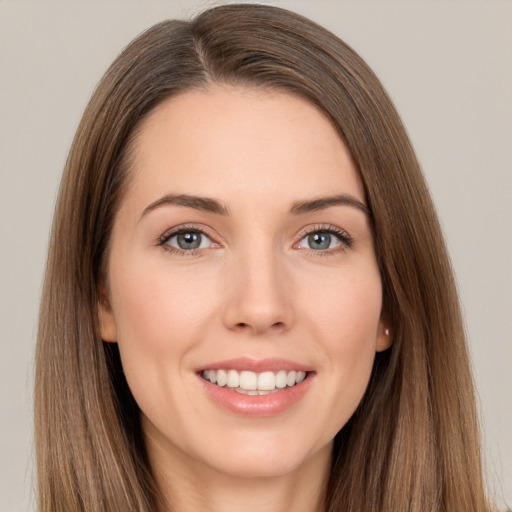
(248,301)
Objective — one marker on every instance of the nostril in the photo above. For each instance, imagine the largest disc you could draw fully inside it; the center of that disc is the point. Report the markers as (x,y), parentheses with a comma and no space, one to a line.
(245,326)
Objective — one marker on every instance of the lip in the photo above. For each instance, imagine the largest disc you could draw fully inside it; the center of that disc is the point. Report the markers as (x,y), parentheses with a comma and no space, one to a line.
(256,365)
(260,406)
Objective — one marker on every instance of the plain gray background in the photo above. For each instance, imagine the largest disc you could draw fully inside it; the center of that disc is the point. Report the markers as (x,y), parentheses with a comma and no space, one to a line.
(446,64)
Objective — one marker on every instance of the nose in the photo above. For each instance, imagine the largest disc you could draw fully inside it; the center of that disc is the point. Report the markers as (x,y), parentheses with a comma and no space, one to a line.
(259,300)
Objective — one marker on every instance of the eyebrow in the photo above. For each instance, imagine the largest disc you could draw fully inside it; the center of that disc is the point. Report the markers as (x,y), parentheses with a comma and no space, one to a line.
(205,204)
(322,203)
(211,205)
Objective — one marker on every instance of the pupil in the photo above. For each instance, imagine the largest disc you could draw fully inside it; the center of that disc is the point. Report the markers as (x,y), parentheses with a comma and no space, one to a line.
(189,240)
(319,240)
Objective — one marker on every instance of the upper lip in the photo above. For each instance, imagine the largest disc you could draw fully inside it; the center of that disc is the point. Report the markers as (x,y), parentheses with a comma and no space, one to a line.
(256,365)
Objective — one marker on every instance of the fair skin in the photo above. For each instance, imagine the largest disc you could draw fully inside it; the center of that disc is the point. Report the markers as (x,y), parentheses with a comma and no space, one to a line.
(251,281)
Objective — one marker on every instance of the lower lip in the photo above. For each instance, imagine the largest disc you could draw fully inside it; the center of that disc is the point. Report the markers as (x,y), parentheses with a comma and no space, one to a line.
(257,405)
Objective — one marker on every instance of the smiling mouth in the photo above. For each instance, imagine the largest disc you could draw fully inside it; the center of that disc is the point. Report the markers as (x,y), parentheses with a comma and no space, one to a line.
(252,383)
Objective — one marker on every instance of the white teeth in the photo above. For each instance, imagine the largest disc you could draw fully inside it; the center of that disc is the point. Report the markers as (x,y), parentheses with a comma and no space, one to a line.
(290,380)
(266,381)
(222,378)
(248,381)
(233,379)
(281,379)
(251,383)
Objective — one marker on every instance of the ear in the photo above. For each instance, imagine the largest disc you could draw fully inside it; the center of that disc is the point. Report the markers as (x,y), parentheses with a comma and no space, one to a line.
(107,324)
(384,335)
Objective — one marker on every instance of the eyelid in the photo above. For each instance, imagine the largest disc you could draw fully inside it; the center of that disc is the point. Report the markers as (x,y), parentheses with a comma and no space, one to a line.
(342,235)
(346,241)
(176,230)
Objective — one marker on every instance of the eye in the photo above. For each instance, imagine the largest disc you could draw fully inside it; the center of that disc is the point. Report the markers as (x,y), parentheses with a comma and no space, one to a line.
(325,239)
(187,240)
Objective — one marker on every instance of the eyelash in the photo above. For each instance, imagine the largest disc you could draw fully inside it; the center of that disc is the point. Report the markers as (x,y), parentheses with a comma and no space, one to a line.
(344,238)
(162,241)
(346,241)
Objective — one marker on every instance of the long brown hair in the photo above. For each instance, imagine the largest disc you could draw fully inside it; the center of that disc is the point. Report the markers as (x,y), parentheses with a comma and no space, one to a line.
(413,442)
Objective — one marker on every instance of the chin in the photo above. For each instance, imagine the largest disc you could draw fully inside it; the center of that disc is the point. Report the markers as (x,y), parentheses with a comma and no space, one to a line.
(270,461)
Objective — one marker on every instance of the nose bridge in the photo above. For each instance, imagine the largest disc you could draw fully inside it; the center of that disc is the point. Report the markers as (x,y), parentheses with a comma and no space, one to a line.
(259,300)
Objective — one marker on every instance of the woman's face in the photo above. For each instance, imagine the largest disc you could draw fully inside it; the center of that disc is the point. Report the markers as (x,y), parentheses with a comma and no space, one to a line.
(241,252)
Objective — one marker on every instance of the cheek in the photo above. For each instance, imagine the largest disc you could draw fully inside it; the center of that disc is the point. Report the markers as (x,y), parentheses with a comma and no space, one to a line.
(345,319)
(347,308)
(160,318)
(354,331)
(153,305)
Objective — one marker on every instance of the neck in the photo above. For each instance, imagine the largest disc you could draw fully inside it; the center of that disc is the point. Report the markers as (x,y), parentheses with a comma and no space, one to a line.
(188,486)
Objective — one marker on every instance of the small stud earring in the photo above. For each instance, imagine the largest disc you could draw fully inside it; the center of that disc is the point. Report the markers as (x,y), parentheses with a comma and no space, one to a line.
(386,331)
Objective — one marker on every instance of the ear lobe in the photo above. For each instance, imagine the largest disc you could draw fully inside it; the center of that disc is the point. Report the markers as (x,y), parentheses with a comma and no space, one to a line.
(107,324)
(384,337)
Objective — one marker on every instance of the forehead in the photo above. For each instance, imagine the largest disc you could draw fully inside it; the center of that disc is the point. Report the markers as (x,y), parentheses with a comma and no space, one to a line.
(235,142)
